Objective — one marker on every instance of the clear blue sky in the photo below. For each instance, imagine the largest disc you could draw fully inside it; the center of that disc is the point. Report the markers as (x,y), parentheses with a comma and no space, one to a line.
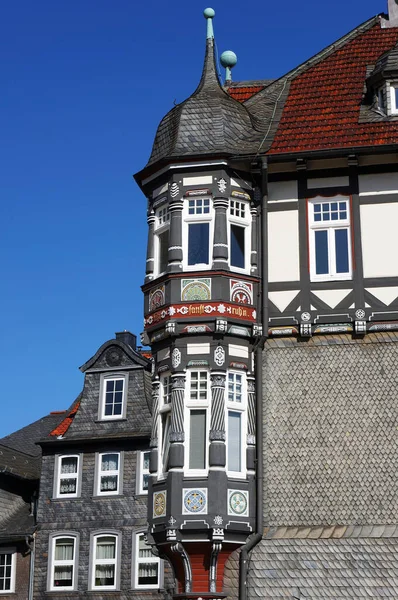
(83,87)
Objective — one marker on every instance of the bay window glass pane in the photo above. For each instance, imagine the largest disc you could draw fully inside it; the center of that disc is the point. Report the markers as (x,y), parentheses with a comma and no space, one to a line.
(237,246)
(197,436)
(341,241)
(163,251)
(234,441)
(198,243)
(321,253)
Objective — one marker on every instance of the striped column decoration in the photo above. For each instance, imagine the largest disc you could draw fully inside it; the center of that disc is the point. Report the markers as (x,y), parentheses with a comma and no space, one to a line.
(251,411)
(217,423)
(155,409)
(177,407)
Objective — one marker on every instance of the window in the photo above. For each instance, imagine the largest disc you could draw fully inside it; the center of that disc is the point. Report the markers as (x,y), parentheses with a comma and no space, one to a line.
(148,567)
(143,472)
(108,473)
(239,232)
(67,476)
(62,563)
(330,239)
(394,99)
(165,382)
(113,397)
(198,215)
(236,423)
(197,417)
(164,423)
(161,240)
(105,562)
(380,99)
(7,570)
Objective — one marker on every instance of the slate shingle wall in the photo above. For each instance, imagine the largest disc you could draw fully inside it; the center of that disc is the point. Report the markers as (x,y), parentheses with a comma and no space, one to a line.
(330,432)
(125,514)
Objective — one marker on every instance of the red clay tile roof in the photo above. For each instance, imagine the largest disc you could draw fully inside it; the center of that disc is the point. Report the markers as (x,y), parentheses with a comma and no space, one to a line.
(245,92)
(322,108)
(63,427)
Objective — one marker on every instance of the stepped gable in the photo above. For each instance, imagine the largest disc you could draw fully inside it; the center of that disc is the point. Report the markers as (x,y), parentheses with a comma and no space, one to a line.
(209,122)
(322,110)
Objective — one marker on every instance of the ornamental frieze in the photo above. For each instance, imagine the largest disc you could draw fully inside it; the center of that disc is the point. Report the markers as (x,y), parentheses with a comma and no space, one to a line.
(208,309)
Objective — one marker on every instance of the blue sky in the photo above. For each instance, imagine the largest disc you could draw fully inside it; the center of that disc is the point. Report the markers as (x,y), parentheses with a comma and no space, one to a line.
(84,85)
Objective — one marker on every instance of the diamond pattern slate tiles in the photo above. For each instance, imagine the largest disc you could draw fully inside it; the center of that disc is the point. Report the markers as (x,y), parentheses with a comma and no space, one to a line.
(330,422)
(323,569)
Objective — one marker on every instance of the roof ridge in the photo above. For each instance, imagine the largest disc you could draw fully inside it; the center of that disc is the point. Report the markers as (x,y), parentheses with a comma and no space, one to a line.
(324,53)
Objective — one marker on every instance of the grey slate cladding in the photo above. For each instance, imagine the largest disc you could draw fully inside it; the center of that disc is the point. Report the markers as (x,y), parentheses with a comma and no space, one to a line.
(320,569)
(330,424)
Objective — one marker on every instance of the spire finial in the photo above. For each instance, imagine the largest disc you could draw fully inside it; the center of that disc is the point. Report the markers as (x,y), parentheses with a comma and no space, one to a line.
(208,15)
(228,59)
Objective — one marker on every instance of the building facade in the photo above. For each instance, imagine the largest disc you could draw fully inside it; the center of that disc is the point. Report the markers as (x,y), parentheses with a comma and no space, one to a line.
(271,308)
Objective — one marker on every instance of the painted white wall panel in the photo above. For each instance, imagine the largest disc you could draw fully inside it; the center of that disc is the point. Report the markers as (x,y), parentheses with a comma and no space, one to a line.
(198,348)
(241,351)
(241,183)
(380,183)
(283,246)
(282,191)
(379,239)
(204,180)
(326,182)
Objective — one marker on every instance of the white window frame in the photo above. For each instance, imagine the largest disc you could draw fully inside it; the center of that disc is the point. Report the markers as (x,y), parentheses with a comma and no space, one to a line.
(245,223)
(13,552)
(330,227)
(191,405)
(137,560)
(102,561)
(241,408)
(59,475)
(164,419)
(162,224)
(394,107)
(113,377)
(52,562)
(192,219)
(114,472)
(141,472)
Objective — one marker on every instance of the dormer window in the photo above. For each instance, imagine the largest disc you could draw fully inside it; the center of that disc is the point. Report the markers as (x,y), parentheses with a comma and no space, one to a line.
(394,98)
(381,100)
(113,397)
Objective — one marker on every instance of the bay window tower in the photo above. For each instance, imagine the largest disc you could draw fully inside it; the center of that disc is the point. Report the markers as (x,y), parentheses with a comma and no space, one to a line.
(201,321)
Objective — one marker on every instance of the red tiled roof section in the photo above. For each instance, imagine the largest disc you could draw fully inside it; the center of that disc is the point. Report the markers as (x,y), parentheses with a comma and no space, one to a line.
(322,108)
(63,427)
(244,93)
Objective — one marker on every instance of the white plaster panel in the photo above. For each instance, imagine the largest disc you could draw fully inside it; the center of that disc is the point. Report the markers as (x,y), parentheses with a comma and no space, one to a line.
(283,246)
(241,183)
(378,183)
(241,351)
(379,239)
(198,348)
(331,297)
(326,182)
(386,295)
(204,180)
(282,191)
(282,299)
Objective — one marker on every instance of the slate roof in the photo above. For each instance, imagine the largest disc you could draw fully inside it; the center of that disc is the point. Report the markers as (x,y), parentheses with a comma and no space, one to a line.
(18,524)
(210,121)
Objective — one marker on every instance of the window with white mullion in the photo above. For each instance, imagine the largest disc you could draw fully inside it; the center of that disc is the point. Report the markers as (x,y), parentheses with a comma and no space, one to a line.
(143,472)
(236,423)
(113,400)
(105,556)
(67,476)
(394,98)
(330,239)
(197,421)
(197,232)
(7,570)
(239,235)
(63,563)
(147,567)
(108,473)
(161,239)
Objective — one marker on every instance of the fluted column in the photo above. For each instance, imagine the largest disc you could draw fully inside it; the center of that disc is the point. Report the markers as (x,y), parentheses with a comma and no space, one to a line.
(220,240)
(254,250)
(177,435)
(251,422)
(175,237)
(153,444)
(150,256)
(217,453)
